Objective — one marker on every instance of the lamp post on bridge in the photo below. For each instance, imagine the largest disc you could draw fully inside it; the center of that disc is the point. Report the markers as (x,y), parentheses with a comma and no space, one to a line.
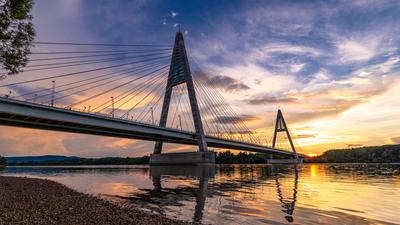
(112,107)
(53,92)
(152,116)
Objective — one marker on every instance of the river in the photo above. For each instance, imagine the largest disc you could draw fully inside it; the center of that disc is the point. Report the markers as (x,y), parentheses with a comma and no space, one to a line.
(243,194)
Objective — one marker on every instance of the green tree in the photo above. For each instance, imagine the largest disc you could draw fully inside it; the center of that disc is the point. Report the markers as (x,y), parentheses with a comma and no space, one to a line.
(16,35)
(371,154)
(2,160)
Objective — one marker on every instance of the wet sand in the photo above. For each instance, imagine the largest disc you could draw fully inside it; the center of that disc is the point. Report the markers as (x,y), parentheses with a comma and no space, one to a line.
(39,201)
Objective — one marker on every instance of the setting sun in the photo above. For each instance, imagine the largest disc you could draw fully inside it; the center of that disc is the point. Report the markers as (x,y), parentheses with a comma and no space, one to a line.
(311,155)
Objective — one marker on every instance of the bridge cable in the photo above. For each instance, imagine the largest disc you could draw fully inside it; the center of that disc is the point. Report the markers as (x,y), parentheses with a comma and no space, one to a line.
(80,72)
(92,61)
(207,110)
(92,56)
(159,89)
(96,51)
(155,104)
(104,92)
(91,78)
(115,74)
(227,107)
(223,102)
(97,44)
(212,110)
(92,87)
(223,118)
(148,83)
(124,94)
(88,62)
(140,101)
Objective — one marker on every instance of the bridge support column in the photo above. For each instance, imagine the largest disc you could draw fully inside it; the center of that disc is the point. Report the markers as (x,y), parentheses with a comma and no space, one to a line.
(280,126)
(179,73)
(183,158)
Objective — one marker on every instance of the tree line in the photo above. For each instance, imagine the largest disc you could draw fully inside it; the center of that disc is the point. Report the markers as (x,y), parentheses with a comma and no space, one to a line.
(372,154)
(2,160)
(226,157)
(87,161)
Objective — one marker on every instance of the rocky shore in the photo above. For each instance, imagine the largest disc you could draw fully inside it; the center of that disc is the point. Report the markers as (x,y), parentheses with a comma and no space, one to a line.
(38,201)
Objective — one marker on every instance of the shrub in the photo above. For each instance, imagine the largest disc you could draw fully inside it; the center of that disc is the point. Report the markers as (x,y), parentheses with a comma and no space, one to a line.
(2,160)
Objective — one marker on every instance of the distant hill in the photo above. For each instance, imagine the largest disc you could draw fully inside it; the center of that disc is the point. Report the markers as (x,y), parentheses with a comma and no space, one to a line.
(54,160)
(43,158)
(372,154)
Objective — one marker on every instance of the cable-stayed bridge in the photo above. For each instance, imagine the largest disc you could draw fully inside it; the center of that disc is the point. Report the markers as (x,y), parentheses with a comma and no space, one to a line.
(140,91)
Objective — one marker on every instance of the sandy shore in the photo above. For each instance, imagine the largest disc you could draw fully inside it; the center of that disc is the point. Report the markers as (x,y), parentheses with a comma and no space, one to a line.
(38,201)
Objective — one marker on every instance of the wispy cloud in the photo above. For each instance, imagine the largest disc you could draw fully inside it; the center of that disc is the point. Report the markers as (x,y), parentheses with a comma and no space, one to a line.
(394,140)
(351,51)
(271,99)
(221,81)
(235,119)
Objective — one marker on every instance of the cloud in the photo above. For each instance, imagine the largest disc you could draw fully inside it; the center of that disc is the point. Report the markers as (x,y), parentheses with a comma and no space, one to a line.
(354,145)
(18,141)
(235,119)
(287,19)
(294,68)
(301,136)
(221,81)
(351,50)
(325,108)
(306,128)
(394,140)
(276,48)
(89,146)
(270,99)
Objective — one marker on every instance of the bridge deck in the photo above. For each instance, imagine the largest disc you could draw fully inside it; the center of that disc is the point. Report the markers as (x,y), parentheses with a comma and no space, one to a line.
(24,114)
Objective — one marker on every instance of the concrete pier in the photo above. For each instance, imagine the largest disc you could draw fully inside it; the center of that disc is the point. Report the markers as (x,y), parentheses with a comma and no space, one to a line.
(285,161)
(183,158)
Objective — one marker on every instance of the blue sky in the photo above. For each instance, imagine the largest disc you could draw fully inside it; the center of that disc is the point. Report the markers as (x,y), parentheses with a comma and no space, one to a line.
(332,66)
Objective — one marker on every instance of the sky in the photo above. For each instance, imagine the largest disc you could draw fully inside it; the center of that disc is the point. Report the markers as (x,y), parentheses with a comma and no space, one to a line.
(332,67)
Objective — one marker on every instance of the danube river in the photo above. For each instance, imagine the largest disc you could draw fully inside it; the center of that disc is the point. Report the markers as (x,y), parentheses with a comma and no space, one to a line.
(243,194)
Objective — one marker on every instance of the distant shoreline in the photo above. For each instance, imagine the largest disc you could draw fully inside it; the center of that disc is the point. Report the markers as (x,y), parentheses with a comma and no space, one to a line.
(220,164)
(371,154)
(41,201)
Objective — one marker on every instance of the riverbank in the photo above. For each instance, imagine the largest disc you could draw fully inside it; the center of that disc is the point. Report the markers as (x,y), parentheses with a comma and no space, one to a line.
(39,201)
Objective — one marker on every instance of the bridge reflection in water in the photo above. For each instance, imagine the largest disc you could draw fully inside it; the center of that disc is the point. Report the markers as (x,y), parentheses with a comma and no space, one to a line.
(159,197)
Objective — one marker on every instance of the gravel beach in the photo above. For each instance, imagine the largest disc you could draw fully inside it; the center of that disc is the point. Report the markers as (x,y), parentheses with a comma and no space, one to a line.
(38,201)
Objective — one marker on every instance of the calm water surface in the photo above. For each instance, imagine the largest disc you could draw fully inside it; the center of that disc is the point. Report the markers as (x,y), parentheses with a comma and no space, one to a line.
(243,194)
